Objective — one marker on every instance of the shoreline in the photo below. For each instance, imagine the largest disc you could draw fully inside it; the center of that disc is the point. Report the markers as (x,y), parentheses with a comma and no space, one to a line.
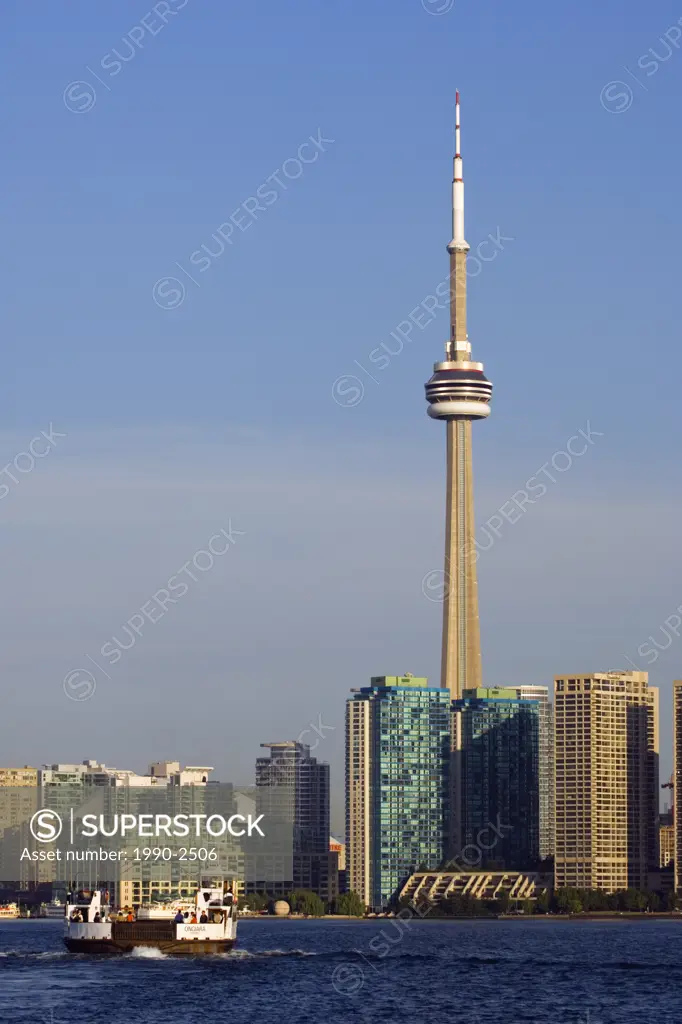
(615,915)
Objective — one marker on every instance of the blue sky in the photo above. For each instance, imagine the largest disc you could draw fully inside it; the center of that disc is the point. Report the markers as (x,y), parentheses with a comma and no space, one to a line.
(178,419)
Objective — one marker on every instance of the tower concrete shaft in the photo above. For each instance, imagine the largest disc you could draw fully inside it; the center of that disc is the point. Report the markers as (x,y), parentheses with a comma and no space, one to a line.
(461,655)
(459,393)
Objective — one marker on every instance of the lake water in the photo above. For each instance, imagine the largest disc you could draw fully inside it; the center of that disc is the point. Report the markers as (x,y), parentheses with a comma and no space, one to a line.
(338,972)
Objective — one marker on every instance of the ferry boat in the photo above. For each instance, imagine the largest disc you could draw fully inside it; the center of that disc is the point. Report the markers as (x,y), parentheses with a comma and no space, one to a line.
(9,911)
(93,927)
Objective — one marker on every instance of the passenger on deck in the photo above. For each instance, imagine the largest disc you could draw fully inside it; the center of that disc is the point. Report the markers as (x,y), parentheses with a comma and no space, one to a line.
(179,917)
(204,917)
(96,919)
(193,919)
(131,916)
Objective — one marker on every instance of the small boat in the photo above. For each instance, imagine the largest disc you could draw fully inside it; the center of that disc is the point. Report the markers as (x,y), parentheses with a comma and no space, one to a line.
(92,927)
(54,909)
(164,910)
(9,911)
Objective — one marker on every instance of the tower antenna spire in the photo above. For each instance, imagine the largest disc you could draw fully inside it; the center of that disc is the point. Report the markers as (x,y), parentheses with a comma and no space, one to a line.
(458,186)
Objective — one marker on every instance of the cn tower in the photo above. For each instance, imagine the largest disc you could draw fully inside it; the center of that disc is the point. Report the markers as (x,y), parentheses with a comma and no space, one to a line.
(459,393)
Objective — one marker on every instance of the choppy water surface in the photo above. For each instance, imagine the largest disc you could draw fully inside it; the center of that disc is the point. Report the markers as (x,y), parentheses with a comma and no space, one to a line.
(337,972)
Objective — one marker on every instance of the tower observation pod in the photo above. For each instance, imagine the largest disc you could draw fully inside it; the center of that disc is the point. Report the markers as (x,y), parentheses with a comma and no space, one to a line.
(459,393)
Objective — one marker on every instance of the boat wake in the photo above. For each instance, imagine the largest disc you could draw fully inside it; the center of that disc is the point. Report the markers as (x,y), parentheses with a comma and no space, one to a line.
(246,954)
(24,954)
(148,953)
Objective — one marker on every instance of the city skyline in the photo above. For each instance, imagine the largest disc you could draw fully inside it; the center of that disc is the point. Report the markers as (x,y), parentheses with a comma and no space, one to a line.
(398,785)
(163,438)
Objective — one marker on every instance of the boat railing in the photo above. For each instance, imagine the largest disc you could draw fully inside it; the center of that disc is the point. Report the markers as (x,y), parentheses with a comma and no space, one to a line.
(151,931)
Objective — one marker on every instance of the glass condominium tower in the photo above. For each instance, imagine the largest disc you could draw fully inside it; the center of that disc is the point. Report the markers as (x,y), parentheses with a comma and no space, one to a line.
(397,784)
(546,769)
(497,779)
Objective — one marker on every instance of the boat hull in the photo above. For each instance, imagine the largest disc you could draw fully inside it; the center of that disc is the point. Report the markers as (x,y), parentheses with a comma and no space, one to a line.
(182,947)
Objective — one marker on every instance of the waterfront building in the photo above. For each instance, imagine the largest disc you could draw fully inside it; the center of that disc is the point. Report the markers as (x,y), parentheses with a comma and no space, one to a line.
(18,796)
(606,780)
(179,792)
(338,847)
(496,768)
(458,393)
(67,774)
(61,788)
(676,782)
(18,804)
(666,835)
(16,777)
(663,880)
(546,763)
(436,886)
(92,773)
(165,789)
(134,892)
(397,784)
(301,782)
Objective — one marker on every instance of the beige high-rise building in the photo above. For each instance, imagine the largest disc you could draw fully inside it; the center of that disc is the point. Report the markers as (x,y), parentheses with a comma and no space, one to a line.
(358,810)
(606,780)
(677,782)
(459,393)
